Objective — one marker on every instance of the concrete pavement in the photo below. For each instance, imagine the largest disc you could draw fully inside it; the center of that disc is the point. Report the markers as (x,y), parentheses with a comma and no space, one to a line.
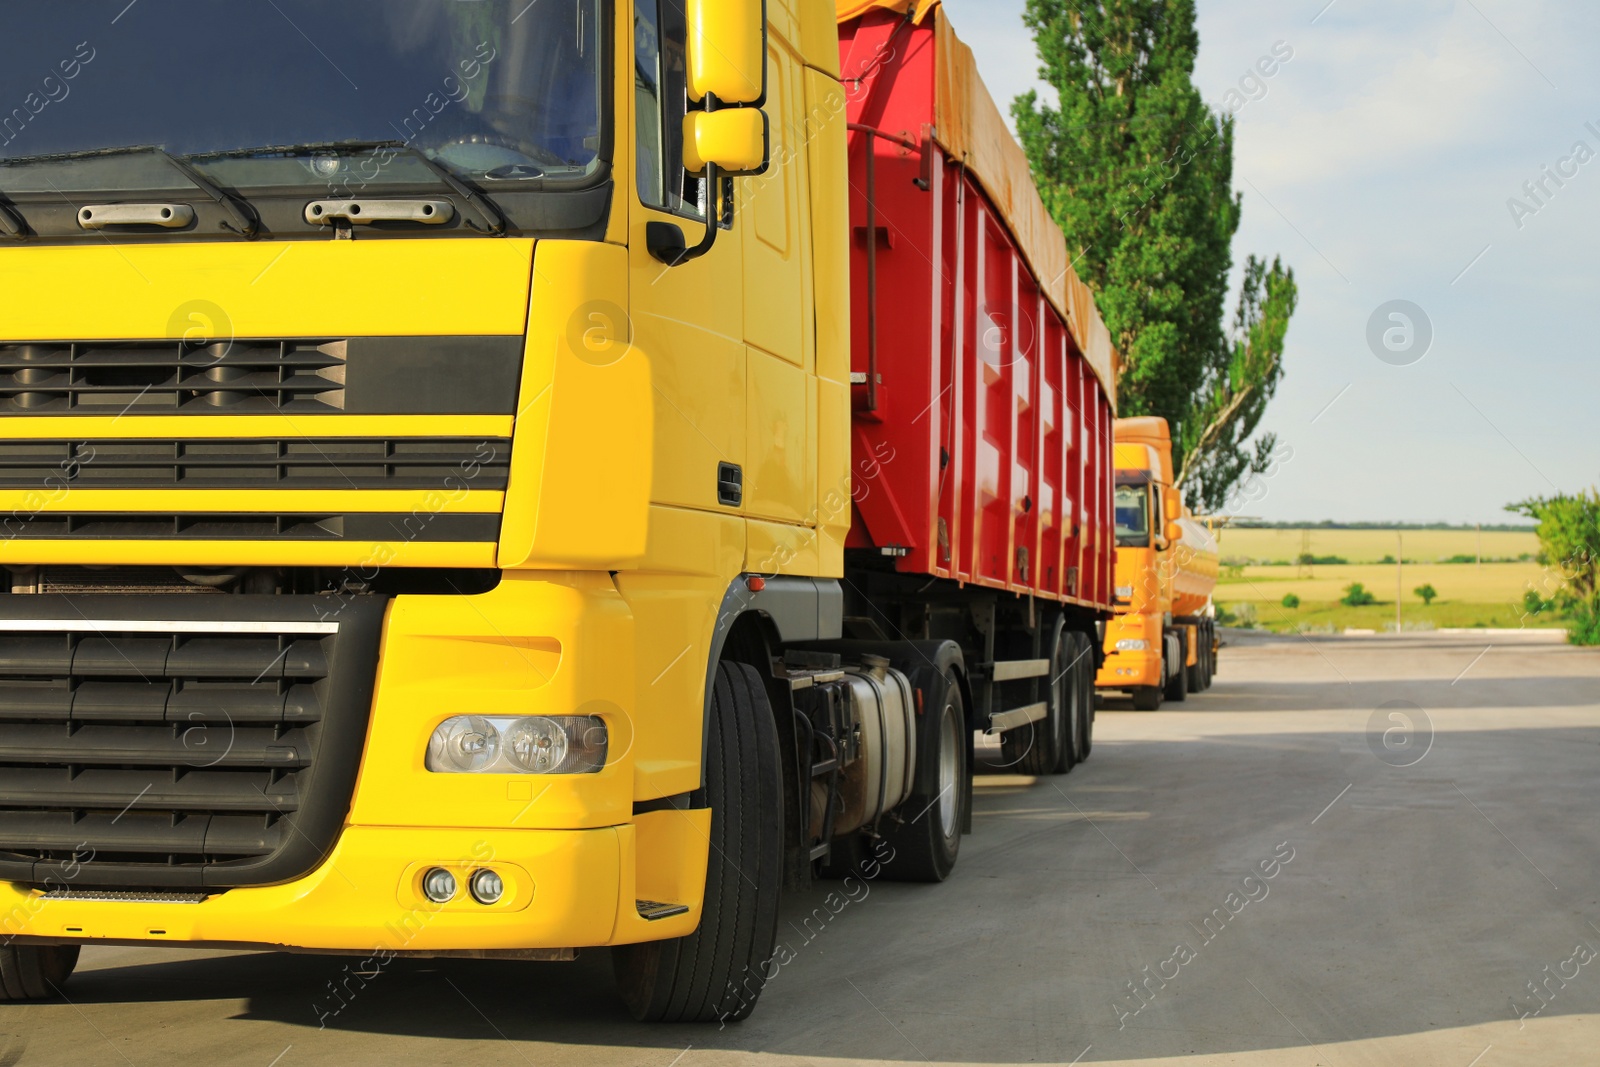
(1350,851)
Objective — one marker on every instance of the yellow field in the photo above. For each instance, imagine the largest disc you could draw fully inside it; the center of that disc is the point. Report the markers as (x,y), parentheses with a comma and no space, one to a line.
(1370,546)
(1469,595)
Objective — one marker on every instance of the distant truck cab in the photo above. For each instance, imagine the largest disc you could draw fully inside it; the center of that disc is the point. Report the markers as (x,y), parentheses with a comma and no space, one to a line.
(1162,643)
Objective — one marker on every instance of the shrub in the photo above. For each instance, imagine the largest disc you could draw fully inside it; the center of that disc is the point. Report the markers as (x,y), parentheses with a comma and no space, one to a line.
(1291,601)
(1427,592)
(1569,542)
(1356,596)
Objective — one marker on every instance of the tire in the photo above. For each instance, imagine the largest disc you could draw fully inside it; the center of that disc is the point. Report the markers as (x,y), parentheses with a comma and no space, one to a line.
(1206,657)
(35,972)
(1068,677)
(1088,704)
(1038,748)
(1147,698)
(927,844)
(716,973)
(1177,689)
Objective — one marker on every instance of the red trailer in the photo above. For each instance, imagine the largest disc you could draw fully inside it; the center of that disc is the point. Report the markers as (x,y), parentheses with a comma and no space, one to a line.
(983,389)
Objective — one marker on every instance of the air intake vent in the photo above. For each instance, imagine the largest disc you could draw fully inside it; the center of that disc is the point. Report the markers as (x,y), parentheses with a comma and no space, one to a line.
(148,376)
(305,463)
(197,747)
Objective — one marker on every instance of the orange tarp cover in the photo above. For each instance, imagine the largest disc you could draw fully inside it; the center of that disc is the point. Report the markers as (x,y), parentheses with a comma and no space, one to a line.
(970,128)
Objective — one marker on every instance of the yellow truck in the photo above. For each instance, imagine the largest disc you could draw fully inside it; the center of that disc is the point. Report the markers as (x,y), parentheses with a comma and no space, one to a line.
(1162,644)
(427,487)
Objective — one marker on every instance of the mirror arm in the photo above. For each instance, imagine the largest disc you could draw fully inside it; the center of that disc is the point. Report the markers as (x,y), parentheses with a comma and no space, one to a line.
(665,239)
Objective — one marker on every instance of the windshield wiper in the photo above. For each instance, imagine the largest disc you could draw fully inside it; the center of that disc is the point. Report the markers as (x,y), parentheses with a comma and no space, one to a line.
(248,224)
(11,223)
(494,220)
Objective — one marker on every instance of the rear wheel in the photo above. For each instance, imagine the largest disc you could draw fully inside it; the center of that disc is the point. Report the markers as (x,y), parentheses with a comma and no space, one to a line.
(1086,692)
(718,972)
(928,841)
(1068,675)
(1043,746)
(1178,685)
(35,972)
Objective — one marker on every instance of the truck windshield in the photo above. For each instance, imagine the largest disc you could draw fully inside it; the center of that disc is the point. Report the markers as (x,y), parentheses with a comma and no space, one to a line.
(1133,516)
(261,95)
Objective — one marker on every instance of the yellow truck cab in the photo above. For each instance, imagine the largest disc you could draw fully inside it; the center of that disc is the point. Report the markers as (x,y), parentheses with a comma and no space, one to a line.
(418,423)
(1162,643)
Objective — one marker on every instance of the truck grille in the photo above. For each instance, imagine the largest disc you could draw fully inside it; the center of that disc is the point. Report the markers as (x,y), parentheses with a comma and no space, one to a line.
(179,741)
(291,463)
(110,376)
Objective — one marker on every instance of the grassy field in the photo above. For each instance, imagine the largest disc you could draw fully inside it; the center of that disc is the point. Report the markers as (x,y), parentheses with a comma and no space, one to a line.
(1491,595)
(1370,546)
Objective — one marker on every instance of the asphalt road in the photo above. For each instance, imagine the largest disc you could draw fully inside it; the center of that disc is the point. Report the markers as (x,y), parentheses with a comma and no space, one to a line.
(1424,879)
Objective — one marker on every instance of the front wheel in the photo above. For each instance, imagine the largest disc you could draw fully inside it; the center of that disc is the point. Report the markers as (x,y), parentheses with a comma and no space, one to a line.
(717,973)
(35,972)
(1147,698)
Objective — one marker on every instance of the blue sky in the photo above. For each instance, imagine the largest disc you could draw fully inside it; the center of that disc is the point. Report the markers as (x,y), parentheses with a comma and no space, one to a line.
(1379,162)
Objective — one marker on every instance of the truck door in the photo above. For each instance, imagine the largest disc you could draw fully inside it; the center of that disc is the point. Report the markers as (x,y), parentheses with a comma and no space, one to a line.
(781,478)
(689,318)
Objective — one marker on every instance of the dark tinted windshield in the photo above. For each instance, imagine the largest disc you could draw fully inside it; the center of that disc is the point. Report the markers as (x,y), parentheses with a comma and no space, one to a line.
(497,90)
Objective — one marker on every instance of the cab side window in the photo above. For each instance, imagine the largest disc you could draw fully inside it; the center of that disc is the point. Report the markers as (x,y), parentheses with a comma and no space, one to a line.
(661,100)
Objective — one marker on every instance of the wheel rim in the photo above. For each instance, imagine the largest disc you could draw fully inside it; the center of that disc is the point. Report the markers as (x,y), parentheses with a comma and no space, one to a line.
(949,770)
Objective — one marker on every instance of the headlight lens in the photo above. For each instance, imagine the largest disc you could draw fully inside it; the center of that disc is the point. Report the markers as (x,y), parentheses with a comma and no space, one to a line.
(466,744)
(532,744)
(1132,644)
(1124,592)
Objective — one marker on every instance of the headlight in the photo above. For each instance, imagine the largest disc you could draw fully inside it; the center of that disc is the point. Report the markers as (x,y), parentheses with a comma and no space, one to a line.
(1132,644)
(1124,592)
(533,744)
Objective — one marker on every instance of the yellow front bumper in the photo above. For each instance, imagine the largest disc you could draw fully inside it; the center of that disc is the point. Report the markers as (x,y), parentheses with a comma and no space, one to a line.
(564,889)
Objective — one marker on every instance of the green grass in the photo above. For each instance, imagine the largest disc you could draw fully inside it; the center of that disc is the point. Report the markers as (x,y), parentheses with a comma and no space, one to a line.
(1469,596)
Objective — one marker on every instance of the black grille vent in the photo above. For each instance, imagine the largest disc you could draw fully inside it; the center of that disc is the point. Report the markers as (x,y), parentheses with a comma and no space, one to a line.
(146,376)
(210,750)
(248,526)
(293,463)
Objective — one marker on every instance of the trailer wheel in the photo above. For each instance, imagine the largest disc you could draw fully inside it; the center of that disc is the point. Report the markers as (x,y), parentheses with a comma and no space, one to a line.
(1045,746)
(717,973)
(1146,698)
(1068,671)
(1086,694)
(927,843)
(35,972)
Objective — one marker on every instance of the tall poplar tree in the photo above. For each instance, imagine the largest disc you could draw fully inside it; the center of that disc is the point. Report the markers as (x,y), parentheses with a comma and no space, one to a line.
(1138,170)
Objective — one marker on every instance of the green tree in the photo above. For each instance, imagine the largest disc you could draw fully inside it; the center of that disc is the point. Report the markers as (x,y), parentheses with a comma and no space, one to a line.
(1357,596)
(1138,172)
(1569,544)
(1291,601)
(1427,592)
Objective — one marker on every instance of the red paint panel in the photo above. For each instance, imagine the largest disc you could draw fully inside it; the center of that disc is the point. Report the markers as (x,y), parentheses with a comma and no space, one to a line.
(1000,435)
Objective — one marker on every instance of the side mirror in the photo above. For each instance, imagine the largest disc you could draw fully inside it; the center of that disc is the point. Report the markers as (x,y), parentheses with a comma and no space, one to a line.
(736,141)
(730,135)
(1174,533)
(727,51)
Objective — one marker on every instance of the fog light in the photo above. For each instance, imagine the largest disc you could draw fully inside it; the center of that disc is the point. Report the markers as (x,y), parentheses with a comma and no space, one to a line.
(439,886)
(487,888)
